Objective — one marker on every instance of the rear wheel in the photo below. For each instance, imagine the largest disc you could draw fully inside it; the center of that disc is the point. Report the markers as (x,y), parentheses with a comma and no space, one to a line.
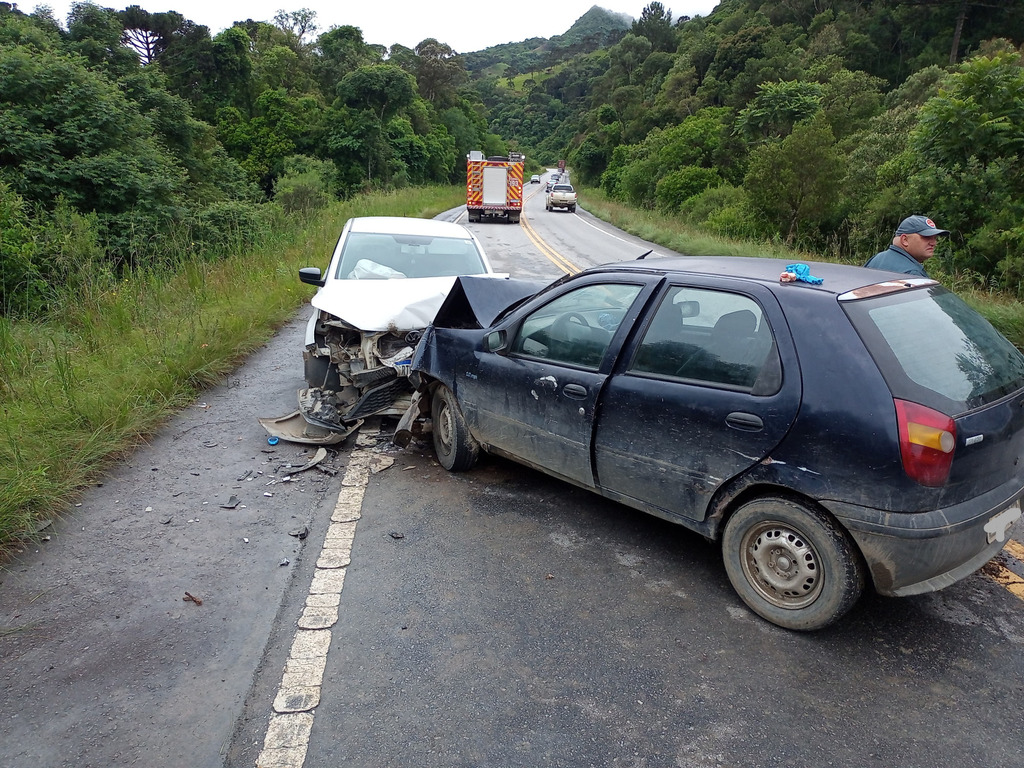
(455,447)
(791,563)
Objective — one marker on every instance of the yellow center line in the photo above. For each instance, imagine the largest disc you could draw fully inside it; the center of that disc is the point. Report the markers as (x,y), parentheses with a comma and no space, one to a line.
(1002,575)
(552,255)
(1007,578)
(1016,549)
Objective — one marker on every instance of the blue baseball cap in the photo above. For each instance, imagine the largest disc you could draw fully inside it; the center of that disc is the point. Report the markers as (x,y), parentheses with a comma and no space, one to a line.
(919,225)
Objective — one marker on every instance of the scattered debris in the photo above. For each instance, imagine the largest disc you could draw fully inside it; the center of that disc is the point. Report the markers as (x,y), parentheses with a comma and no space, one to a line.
(244,539)
(267,493)
(210,444)
(245,475)
(380,463)
(42,525)
(192,598)
(165,520)
(320,455)
(396,535)
(300,533)
(286,561)
(230,503)
(149,509)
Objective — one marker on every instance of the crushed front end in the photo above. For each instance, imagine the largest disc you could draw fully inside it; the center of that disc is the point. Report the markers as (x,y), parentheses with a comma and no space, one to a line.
(353,374)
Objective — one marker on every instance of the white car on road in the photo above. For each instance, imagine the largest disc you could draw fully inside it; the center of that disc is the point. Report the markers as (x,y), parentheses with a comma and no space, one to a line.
(387,278)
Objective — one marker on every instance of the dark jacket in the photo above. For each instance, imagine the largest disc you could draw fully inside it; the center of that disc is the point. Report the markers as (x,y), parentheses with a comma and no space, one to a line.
(895,259)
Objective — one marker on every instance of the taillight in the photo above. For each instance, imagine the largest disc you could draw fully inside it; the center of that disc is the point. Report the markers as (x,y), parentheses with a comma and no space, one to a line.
(927,440)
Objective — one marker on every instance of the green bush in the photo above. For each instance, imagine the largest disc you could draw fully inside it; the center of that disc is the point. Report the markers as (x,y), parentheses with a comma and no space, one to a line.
(20,282)
(229,225)
(306,185)
(723,211)
(677,187)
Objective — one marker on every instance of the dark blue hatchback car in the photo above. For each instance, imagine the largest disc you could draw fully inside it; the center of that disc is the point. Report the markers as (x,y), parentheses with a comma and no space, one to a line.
(867,429)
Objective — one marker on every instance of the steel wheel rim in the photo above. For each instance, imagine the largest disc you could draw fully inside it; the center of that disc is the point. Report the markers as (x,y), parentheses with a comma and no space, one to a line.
(445,427)
(780,563)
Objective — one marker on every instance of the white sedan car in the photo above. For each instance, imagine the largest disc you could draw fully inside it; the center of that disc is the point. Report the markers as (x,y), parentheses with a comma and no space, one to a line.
(387,278)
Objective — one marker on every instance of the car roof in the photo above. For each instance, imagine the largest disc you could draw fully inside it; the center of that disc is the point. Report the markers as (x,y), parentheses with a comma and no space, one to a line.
(407,225)
(837,278)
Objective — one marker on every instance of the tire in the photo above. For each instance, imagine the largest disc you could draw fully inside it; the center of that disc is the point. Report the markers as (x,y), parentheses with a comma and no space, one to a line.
(456,449)
(572,209)
(792,564)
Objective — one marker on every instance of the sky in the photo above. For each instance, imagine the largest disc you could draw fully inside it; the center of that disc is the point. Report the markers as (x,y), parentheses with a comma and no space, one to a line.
(463,26)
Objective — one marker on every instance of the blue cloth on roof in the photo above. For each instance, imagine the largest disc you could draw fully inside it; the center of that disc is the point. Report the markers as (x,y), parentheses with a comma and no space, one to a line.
(803,273)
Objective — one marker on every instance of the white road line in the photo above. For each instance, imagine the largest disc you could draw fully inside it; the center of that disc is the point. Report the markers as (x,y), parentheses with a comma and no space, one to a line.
(291,723)
(609,234)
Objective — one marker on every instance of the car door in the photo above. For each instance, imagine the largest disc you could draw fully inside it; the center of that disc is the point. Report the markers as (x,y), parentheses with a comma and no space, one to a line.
(707,389)
(534,401)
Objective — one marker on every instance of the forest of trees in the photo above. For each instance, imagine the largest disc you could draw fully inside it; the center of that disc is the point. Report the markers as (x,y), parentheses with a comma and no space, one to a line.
(818,123)
(127,137)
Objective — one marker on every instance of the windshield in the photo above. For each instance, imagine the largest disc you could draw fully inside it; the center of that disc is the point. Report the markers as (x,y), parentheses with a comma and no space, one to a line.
(930,341)
(379,256)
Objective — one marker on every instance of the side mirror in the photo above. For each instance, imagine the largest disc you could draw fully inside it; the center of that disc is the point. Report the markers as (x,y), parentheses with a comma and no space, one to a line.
(495,341)
(311,275)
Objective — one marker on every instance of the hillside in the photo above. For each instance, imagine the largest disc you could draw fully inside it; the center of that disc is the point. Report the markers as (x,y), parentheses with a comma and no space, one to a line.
(595,29)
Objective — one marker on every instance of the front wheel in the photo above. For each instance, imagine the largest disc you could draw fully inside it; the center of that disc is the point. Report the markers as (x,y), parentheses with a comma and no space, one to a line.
(791,564)
(455,448)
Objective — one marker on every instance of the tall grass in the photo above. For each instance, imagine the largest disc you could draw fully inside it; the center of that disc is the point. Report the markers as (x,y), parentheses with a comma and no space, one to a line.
(116,357)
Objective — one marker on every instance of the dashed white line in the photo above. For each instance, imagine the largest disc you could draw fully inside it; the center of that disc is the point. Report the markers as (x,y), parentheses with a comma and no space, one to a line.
(290,726)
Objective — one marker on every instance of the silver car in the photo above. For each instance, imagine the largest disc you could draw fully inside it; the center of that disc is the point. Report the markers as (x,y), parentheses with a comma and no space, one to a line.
(387,278)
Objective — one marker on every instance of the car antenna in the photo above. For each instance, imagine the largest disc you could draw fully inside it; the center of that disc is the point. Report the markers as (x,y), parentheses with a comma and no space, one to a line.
(644,255)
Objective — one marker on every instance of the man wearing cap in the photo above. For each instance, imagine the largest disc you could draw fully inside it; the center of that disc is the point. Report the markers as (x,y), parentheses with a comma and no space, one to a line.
(912,245)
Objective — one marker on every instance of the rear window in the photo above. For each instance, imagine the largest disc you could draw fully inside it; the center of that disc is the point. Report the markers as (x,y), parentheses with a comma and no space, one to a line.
(934,349)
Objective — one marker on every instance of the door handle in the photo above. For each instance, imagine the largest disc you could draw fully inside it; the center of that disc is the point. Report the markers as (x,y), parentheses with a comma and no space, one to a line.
(747,422)
(574,391)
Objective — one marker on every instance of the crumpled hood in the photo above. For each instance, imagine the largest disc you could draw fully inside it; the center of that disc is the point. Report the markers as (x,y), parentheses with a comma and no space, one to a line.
(401,304)
(378,305)
(476,302)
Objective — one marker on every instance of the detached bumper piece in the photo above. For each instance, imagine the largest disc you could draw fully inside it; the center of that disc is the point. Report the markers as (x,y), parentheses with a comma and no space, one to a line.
(296,429)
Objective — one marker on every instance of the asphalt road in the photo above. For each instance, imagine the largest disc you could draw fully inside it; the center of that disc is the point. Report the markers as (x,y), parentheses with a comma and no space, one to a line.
(491,618)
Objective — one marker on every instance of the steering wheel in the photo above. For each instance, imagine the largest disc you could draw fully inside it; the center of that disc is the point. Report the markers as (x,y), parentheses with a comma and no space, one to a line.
(561,324)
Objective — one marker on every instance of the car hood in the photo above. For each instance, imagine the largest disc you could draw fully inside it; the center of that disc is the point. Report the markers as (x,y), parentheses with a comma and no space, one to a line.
(475,302)
(380,305)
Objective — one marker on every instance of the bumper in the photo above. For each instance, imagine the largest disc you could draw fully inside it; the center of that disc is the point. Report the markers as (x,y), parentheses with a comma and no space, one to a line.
(914,553)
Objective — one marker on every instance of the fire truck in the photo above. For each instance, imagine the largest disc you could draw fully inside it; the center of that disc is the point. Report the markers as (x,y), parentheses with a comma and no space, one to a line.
(494,186)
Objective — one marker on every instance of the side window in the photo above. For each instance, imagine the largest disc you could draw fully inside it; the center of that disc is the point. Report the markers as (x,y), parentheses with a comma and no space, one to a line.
(577,327)
(711,337)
